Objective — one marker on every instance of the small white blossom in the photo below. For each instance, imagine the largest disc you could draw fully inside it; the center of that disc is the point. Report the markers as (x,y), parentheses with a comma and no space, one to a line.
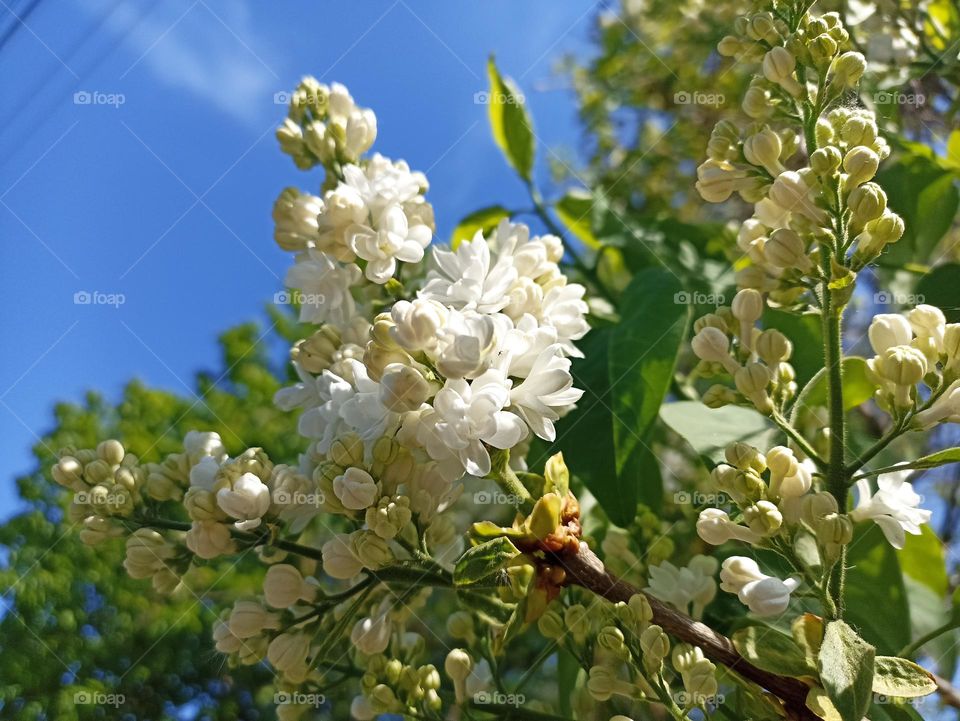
(470,414)
(247,500)
(546,394)
(325,287)
(393,239)
(764,595)
(356,489)
(894,507)
(681,587)
(470,277)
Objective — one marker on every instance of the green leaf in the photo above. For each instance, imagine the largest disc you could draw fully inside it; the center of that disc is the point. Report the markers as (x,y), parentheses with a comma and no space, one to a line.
(940,458)
(509,121)
(924,194)
(846,670)
(643,354)
(710,430)
(485,220)
(939,288)
(586,435)
(483,560)
(808,634)
(575,209)
(923,561)
(893,676)
(772,651)
(857,388)
(876,599)
(487,608)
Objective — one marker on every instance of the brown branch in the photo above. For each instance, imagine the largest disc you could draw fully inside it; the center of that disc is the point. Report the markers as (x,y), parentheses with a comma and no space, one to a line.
(948,694)
(586,569)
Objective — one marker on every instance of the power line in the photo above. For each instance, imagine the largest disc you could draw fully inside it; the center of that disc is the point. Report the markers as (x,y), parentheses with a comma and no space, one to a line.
(38,120)
(18,21)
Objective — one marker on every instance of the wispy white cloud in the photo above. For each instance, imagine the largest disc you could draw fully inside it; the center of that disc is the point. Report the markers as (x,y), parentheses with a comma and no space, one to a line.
(212,51)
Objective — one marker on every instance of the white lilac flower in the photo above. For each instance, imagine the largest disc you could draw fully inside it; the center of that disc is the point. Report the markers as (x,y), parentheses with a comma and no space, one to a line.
(523,344)
(197,444)
(417,323)
(467,344)
(324,422)
(372,634)
(894,507)
(563,308)
(339,560)
(204,473)
(946,409)
(341,208)
(764,595)
(247,500)
(470,277)
(325,286)
(546,394)
(470,414)
(888,330)
(681,587)
(393,239)
(356,489)
(384,182)
(364,412)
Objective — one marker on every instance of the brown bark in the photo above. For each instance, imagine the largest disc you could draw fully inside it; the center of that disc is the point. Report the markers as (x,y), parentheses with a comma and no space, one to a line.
(586,569)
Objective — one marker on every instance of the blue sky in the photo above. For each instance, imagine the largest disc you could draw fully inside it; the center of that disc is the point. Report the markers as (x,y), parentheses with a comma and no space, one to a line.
(160,188)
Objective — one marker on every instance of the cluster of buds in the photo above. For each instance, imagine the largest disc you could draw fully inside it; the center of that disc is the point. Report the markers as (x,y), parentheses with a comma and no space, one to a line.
(771,501)
(107,483)
(630,656)
(803,209)
(912,350)
(324,125)
(729,342)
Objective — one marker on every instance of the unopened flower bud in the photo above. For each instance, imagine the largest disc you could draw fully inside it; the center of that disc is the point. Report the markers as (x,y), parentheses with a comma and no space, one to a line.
(551,625)
(655,645)
(745,457)
(718,396)
(763,148)
(763,518)
(860,164)
(825,160)
(778,67)
(785,249)
(867,202)
(773,347)
(848,69)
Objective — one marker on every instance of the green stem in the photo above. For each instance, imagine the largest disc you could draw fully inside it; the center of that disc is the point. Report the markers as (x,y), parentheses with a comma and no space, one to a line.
(506,478)
(802,443)
(911,648)
(578,262)
(507,711)
(837,476)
